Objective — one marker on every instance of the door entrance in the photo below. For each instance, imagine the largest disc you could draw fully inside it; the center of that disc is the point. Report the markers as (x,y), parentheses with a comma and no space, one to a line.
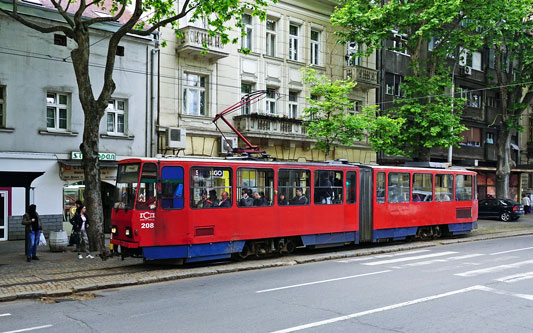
(3,215)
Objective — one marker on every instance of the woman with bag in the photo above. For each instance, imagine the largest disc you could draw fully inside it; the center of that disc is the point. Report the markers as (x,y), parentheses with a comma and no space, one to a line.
(33,231)
(80,223)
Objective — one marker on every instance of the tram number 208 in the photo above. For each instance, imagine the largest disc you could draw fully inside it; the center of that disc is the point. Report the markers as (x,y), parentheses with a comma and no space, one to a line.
(147,225)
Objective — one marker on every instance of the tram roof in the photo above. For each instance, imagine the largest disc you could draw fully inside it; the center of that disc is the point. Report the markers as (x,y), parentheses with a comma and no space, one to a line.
(256,161)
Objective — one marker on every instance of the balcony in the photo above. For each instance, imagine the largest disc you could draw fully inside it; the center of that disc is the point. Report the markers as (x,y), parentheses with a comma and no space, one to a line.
(366,78)
(192,44)
(272,127)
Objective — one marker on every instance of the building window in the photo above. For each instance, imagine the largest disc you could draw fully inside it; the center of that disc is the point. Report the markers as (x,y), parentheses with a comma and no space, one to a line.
(471,59)
(60,40)
(2,106)
(492,58)
(194,94)
(399,45)
(246,40)
(490,137)
(294,32)
(473,98)
(351,49)
(246,88)
(120,51)
(433,43)
(393,84)
(116,113)
(271,101)
(471,137)
(57,106)
(315,47)
(271,37)
(293,104)
(493,101)
(357,106)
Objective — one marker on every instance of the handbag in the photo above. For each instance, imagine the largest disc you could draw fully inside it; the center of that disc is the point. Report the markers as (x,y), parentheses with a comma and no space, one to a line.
(42,240)
(74,238)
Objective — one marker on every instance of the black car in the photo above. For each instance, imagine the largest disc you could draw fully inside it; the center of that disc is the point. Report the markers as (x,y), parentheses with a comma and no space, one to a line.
(503,209)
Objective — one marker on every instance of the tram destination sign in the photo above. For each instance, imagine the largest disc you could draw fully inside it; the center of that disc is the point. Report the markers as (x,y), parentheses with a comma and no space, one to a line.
(76,155)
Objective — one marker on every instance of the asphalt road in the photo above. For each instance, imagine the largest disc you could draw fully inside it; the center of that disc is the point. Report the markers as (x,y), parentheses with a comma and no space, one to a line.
(481,286)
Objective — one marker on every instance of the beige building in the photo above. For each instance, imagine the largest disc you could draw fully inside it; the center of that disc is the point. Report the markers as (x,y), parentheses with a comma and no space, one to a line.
(194,87)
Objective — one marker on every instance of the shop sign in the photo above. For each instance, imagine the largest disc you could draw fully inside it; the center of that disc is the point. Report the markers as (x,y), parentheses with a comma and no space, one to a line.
(75,173)
(76,155)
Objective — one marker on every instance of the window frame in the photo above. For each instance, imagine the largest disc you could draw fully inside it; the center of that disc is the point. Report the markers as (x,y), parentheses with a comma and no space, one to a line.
(247,40)
(308,188)
(463,187)
(393,88)
(271,38)
(162,181)
(57,106)
(437,198)
(417,189)
(293,104)
(270,102)
(201,93)
(334,189)
(315,47)
(239,187)
(294,42)
(116,113)
(140,187)
(192,197)
(354,186)
(246,109)
(402,188)
(381,200)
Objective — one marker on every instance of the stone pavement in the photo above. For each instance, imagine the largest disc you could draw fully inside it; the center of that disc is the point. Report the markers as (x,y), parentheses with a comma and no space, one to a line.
(62,274)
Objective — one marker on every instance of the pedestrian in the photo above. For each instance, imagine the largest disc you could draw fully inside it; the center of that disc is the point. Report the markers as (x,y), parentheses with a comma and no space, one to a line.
(80,224)
(73,210)
(527,204)
(33,227)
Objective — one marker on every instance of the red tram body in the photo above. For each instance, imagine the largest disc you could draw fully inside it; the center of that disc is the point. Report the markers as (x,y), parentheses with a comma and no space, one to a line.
(162,210)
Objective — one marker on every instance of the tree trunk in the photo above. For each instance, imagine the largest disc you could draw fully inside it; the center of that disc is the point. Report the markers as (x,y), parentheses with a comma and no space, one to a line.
(503,168)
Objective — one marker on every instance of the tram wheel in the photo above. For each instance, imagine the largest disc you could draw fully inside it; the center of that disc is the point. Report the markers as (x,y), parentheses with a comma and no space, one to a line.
(290,246)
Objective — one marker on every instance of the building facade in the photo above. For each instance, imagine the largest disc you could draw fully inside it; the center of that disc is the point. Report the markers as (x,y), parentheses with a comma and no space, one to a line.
(194,87)
(41,119)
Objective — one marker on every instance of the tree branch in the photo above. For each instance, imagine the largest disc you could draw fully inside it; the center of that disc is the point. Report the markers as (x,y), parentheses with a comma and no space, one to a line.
(58,28)
(105,19)
(63,12)
(79,12)
(164,22)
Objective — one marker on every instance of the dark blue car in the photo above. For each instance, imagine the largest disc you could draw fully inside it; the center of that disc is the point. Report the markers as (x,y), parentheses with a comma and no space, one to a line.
(503,209)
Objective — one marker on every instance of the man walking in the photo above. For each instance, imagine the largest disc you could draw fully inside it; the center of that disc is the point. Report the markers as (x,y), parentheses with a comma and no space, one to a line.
(527,204)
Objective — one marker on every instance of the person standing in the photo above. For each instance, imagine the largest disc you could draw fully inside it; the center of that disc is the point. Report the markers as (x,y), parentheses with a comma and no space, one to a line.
(34,226)
(527,204)
(80,223)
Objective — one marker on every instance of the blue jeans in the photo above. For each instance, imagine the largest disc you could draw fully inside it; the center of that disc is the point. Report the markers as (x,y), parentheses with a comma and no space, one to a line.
(33,240)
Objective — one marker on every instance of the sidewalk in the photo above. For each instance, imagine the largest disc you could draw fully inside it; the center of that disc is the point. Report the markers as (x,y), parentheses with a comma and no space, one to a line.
(59,274)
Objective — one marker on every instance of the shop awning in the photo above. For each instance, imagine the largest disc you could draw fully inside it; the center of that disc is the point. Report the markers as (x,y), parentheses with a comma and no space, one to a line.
(18,178)
(77,163)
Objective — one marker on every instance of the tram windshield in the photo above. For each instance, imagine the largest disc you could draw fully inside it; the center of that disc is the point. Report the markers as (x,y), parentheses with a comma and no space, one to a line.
(127,180)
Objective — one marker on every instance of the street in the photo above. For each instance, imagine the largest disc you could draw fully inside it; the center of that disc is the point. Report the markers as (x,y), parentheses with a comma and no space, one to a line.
(484,286)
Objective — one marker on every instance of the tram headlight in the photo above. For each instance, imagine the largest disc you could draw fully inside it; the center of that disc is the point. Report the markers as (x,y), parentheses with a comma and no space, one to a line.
(114,230)
(128,232)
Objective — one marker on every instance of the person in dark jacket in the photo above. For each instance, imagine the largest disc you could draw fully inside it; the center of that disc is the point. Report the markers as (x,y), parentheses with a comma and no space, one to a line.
(282,201)
(300,198)
(80,223)
(204,202)
(225,202)
(246,200)
(33,228)
(259,201)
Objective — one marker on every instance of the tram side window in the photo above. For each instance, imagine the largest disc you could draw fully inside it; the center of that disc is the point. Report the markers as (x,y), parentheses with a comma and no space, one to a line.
(422,187)
(172,187)
(127,180)
(351,187)
(328,187)
(380,187)
(147,193)
(443,187)
(211,187)
(255,187)
(463,187)
(399,187)
(294,187)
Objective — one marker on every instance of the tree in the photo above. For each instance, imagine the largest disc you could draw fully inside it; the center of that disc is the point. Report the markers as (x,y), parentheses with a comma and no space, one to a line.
(327,118)
(146,17)
(429,115)
(508,26)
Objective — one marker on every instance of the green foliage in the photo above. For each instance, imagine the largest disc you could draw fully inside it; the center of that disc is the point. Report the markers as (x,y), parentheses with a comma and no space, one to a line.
(327,119)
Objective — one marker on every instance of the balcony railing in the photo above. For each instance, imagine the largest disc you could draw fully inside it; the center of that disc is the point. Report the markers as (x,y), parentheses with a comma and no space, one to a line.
(363,76)
(193,42)
(269,126)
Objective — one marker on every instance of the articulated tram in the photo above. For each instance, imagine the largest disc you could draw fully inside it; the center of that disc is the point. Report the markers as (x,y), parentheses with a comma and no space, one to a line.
(195,209)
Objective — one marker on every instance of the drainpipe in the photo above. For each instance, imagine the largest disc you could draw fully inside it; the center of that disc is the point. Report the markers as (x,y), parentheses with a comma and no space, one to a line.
(154,100)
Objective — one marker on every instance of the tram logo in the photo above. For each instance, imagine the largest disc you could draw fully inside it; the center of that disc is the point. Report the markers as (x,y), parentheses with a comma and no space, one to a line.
(147,216)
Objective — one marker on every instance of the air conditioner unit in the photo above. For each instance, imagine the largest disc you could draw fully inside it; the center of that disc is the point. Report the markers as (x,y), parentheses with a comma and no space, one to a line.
(225,148)
(467,70)
(176,138)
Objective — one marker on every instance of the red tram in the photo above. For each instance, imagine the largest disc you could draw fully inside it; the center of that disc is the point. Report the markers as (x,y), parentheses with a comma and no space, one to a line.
(204,209)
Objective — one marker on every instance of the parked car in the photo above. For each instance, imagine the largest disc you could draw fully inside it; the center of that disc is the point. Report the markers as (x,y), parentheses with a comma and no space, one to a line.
(503,209)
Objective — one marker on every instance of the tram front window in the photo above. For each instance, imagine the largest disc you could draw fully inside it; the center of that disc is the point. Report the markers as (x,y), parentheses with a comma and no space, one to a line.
(127,179)
(147,196)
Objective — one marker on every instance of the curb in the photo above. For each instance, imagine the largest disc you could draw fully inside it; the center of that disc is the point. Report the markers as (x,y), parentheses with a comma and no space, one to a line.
(254,265)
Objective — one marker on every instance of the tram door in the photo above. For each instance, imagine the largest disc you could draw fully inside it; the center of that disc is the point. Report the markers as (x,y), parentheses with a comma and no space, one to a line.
(365,205)
(3,215)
